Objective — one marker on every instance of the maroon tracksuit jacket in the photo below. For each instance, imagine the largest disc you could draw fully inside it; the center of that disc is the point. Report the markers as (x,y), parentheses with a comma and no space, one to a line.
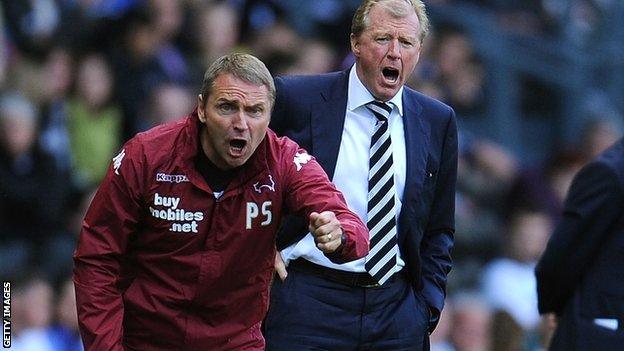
(162,264)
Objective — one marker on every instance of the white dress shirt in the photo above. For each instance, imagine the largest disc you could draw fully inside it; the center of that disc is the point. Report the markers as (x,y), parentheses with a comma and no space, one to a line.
(351,174)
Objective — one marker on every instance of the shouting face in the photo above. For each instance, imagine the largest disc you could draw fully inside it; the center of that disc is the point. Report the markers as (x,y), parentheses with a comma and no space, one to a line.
(235,115)
(387,50)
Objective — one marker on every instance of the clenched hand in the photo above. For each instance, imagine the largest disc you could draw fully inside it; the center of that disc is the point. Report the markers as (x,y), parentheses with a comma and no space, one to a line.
(326,230)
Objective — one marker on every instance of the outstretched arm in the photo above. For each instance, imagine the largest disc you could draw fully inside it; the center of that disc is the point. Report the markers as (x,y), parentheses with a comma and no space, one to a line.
(338,232)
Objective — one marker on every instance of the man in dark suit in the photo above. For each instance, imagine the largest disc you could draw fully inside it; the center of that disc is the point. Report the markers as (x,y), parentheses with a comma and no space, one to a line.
(580,277)
(393,152)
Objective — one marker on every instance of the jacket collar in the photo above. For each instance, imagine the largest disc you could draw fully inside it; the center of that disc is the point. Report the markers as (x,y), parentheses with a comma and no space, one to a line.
(327,121)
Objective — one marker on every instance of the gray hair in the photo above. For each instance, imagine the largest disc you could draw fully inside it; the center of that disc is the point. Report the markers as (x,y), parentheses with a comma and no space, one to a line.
(242,66)
(361,21)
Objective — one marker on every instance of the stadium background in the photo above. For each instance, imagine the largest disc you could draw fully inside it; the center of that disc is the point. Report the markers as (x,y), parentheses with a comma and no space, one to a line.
(538,87)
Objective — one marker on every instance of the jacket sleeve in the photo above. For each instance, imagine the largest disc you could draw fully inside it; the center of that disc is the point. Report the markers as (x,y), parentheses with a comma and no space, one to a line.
(594,204)
(308,189)
(109,223)
(436,246)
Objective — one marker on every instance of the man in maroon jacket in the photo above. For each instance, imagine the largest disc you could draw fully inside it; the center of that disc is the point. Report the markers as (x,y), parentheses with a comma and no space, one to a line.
(177,248)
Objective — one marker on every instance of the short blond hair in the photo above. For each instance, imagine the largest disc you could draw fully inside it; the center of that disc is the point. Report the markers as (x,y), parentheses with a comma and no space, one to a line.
(361,21)
(243,66)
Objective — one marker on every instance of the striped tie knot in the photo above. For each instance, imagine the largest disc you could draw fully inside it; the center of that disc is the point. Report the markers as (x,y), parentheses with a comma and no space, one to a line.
(381,110)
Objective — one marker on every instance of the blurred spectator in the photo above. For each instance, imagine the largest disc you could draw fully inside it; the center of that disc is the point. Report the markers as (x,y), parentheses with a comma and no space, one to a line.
(93,25)
(599,133)
(4,50)
(65,335)
(507,334)
(280,63)
(544,187)
(460,73)
(314,57)
(94,120)
(136,69)
(472,320)
(466,89)
(527,17)
(32,24)
(509,282)
(57,78)
(257,15)
(169,102)
(440,338)
(216,31)
(546,330)
(278,38)
(485,173)
(31,315)
(77,215)
(330,19)
(167,16)
(33,191)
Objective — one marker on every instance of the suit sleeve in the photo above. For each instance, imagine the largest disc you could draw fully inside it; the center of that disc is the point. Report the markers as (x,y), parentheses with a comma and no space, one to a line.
(436,246)
(109,223)
(594,204)
(293,228)
(310,190)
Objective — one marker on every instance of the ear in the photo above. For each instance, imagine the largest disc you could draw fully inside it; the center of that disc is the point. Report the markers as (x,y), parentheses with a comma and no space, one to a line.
(420,46)
(200,108)
(355,45)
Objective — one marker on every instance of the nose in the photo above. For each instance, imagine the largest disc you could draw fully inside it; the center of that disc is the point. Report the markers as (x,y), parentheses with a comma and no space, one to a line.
(394,49)
(240,121)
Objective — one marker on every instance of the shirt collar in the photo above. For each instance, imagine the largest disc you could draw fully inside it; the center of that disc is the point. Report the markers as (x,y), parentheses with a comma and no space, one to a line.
(358,95)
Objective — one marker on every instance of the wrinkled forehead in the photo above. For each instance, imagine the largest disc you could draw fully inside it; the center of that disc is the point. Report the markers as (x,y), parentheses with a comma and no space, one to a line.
(231,88)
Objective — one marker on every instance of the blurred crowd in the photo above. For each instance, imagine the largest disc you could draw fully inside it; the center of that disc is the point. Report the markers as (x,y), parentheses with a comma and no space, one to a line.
(80,77)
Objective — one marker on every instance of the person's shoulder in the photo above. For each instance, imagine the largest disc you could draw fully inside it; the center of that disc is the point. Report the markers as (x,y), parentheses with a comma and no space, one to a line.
(157,139)
(322,78)
(283,149)
(280,144)
(604,173)
(612,160)
(307,83)
(428,103)
(614,155)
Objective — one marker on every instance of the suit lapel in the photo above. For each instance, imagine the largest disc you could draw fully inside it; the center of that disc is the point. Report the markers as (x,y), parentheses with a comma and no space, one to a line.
(416,146)
(327,121)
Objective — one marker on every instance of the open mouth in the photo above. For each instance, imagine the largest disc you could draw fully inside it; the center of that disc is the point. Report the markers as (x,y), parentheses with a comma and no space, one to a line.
(238,145)
(391,74)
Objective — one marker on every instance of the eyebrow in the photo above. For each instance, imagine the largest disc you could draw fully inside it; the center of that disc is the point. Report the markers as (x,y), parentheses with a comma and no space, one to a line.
(222,99)
(389,33)
(258,105)
(236,102)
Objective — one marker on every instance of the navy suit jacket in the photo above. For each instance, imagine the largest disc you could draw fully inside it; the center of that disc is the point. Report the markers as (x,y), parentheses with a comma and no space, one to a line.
(580,276)
(311,110)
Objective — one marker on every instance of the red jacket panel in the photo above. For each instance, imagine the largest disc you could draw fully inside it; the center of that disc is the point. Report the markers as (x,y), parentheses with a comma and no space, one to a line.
(163,264)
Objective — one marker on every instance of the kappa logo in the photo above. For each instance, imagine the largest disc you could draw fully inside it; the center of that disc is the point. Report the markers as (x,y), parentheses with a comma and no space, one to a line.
(171,178)
(301,159)
(117,160)
(258,188)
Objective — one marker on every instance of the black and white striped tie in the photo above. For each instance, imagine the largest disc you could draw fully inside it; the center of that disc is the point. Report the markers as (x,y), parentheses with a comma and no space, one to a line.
(382,258)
